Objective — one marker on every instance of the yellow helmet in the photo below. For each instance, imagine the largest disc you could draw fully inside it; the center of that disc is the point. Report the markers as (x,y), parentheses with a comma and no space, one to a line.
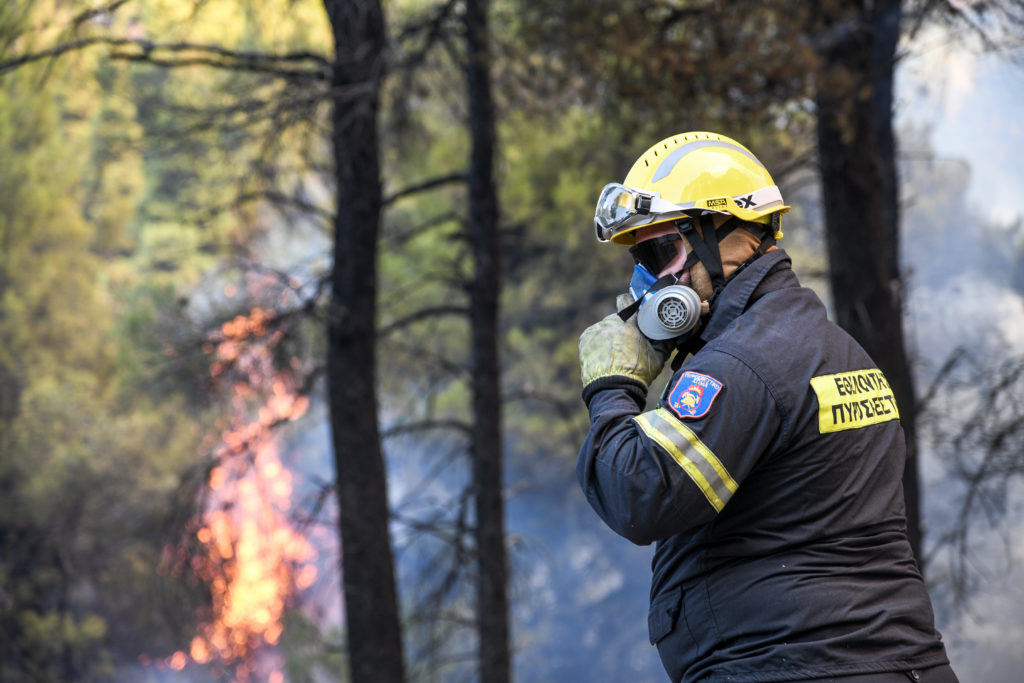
(689,173)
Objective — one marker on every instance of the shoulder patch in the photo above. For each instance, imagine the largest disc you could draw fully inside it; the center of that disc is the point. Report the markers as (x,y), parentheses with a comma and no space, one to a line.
(693,394)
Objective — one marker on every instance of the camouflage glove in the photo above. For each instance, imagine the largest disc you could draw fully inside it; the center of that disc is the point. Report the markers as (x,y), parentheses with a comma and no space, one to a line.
(611,348)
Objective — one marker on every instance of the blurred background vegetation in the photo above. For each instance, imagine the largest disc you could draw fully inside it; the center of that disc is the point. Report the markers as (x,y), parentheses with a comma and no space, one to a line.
(171,205)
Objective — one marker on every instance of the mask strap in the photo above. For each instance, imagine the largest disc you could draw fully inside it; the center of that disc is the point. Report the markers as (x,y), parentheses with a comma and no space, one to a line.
(660,283)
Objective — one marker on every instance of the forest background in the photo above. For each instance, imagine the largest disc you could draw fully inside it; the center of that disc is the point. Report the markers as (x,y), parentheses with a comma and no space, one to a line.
(171,207)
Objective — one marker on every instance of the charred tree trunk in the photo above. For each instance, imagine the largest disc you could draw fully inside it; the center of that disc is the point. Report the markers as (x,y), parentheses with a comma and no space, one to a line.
(858,174)
(492,573)
(368,584)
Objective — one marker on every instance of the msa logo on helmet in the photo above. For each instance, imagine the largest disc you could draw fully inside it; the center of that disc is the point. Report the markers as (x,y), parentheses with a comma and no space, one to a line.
(693,394)
(719,203)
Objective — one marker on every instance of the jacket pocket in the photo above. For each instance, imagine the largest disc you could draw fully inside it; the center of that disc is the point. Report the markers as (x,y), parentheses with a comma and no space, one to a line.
(664,613)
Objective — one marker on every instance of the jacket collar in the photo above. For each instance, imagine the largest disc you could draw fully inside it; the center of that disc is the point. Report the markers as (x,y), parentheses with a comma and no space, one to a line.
(736,296)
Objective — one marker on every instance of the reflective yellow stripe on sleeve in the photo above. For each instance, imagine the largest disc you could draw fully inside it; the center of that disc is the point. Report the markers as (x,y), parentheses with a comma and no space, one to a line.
(696,459)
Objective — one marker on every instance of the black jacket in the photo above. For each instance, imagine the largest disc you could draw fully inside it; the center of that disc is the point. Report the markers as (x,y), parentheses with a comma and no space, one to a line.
(769,476)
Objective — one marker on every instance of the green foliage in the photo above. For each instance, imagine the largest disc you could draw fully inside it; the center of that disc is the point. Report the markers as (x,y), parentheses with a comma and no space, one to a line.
(91,465)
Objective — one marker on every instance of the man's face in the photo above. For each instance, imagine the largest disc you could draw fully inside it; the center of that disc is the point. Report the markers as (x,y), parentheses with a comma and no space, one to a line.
(673,266)
(696,276)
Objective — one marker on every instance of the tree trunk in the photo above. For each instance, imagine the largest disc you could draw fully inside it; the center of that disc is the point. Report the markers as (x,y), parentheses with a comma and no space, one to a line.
(492,579)
(858,174)
(368,575)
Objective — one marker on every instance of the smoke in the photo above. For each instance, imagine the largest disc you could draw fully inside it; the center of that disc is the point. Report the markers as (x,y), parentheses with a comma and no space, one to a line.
(972,99)
(580,591)
(963,252)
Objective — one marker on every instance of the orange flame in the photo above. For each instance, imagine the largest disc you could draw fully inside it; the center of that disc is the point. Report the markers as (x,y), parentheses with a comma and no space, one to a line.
(253,560)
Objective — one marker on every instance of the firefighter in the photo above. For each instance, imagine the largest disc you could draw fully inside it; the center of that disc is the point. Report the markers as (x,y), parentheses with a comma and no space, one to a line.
(769,472)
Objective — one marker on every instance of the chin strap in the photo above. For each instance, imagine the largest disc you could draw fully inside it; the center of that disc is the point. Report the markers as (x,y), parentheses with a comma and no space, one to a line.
(705,245)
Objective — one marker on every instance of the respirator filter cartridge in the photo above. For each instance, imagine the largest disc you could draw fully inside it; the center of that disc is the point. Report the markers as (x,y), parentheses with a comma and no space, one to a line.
(669,312)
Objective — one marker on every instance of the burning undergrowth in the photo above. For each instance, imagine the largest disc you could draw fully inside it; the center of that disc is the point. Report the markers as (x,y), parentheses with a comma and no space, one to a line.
(245,545)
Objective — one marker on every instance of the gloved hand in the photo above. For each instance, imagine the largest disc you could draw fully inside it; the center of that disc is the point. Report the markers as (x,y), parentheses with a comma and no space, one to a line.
(611,347)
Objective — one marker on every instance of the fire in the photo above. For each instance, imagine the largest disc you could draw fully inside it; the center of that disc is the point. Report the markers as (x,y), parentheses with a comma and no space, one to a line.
(177,661)
(252,558)
(254,561)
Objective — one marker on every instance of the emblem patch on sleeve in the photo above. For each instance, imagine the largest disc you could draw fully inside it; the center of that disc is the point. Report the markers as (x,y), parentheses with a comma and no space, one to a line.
(693,394)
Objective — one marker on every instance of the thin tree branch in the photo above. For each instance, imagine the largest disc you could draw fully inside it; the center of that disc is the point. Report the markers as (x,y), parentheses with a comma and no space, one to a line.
(401,235)
(423,425)
(954,358)
(243,56)
(211,55)
(433,27)
(97,12)
(291,74)
(460,177)
(274,197)
(424,314)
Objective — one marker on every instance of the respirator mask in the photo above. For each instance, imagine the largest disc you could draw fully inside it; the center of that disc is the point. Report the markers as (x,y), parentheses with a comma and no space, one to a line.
(664,308)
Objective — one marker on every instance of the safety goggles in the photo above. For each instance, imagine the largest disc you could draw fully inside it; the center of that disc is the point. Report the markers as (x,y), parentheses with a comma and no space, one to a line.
(620,206)
(656,253)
